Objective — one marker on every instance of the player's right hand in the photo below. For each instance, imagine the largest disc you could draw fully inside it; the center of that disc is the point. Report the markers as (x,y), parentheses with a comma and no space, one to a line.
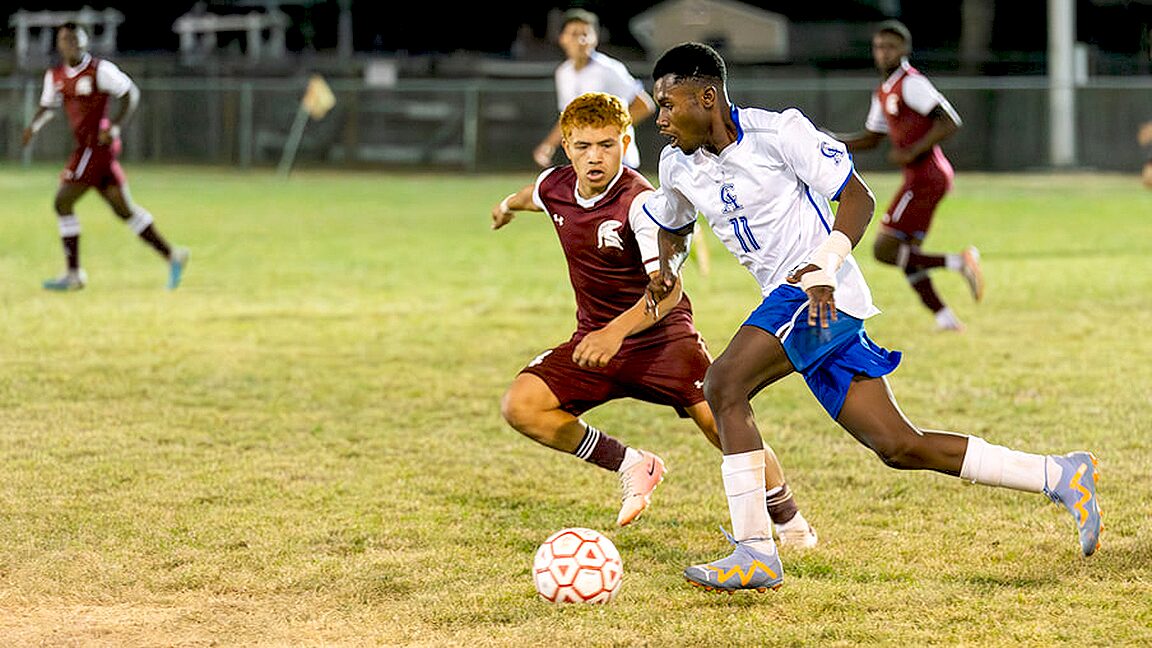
(28,135)
(659,287)
(500,217)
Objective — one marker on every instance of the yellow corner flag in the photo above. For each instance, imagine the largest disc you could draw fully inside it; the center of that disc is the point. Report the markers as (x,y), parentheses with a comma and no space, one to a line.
(318,98)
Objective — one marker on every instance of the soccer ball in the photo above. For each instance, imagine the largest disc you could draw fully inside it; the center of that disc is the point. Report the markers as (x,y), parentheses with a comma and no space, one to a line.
(577,565)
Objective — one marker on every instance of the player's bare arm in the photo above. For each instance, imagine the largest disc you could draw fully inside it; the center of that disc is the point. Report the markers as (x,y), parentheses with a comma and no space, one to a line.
(818,277)
(43,116)
(943,127)
(505,210)
(673,253)
(864,140)
(128,105)
(601,345)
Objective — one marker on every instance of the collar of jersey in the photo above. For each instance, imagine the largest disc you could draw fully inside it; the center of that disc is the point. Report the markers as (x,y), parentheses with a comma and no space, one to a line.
(736,120)
(896,74)
(587,203)
(73,71)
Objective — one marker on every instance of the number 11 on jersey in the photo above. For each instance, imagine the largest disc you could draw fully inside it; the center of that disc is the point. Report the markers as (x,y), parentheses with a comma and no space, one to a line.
(744,233)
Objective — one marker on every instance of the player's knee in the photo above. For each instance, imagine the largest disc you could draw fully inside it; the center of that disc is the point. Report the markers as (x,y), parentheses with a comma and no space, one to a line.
(63,205)
(718,389)
(517,411)
(886,251)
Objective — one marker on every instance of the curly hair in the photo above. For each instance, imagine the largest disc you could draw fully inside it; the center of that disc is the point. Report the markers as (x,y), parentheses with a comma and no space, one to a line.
(595,110)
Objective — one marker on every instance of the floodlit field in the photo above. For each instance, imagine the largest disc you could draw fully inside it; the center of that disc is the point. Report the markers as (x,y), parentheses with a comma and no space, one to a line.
(302,446)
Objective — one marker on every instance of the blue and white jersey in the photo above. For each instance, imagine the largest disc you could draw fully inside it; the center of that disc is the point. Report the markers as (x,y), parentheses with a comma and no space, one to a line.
(766,196)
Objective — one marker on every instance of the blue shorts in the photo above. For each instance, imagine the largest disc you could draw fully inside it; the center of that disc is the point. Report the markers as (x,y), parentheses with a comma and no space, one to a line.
(827,358)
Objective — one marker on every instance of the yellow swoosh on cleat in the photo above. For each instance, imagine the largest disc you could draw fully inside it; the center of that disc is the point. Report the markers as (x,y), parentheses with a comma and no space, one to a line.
(724,575)
(1085,496)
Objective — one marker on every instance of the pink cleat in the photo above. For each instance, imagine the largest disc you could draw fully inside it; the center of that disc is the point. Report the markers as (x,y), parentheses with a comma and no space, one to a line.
(637,482)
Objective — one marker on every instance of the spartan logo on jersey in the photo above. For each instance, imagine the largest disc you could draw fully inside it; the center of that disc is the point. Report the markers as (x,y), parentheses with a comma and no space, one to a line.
(84,85)
(728,197)
(559,220)
(832,152)
(608,235)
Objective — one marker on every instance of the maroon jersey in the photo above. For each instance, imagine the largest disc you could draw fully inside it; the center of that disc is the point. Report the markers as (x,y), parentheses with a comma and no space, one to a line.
(84,101)
(906,124)
(605,264)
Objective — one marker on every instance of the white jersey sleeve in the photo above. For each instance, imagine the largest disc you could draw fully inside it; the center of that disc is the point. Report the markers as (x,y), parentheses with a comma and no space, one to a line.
(112,80)
(645,230)
(668,207)
(536,200)
(920,95)
(819,160)
(876,121)
(49,97)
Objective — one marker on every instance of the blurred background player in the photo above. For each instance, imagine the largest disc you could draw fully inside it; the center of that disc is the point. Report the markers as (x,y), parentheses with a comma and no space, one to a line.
(617,350)
(909,111)
(1145,139)
(585,69)
(82,84)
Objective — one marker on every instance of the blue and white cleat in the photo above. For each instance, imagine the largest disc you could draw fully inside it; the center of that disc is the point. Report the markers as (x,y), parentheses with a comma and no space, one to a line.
(177,261)
(746,568)
(1076,490)
(67,282)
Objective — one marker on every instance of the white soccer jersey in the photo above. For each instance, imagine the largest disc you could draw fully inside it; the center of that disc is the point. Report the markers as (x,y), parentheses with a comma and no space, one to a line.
(766,196)
(602,74)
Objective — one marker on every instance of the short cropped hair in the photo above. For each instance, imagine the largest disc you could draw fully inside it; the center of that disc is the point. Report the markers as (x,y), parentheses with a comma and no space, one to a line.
(80,31)
(595,110)
(688,60)
(896,28)
(580,15)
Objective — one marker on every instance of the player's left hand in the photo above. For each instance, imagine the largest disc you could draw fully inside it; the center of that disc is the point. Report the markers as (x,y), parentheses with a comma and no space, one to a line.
(821,299)
(104,138)
(597,349)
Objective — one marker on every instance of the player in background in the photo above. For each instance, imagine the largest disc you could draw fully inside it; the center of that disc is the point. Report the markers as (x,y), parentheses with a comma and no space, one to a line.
(908,110)
(1144,137)
(82,85)
(773,213)
(585,69)
(617,350)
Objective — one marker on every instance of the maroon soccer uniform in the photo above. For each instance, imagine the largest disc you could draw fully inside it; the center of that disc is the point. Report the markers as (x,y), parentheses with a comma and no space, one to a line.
(83,91)
(663,364)
(902,107)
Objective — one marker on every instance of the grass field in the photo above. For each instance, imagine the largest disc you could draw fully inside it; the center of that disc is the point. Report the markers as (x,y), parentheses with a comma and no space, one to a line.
(302,446)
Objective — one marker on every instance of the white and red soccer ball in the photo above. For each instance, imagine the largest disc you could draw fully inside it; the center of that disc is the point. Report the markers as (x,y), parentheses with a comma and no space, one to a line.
(577,565)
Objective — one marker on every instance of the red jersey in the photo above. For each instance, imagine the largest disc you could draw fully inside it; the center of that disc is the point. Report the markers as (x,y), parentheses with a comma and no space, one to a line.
(605,263)
(906,100)
(83,92)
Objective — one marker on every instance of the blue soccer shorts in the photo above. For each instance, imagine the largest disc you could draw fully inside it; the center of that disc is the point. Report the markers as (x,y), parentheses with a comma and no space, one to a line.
(827,358)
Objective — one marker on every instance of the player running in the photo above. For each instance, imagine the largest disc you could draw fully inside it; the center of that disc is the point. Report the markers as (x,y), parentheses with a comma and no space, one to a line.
(82,84)
(908,110)
(763,180)
(617,350)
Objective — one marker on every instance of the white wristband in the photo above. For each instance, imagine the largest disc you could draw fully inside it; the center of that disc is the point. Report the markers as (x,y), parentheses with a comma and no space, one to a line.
(830,254)
(817,278)
(114,131)
(504,203)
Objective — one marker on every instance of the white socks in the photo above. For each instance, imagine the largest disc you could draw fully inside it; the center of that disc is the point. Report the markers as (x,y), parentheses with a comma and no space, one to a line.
(995,465)
(744,485)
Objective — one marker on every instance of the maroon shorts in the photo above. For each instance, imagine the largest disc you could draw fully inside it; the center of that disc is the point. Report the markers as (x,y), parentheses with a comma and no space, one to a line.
(910,214)
(665,372)
(95,166)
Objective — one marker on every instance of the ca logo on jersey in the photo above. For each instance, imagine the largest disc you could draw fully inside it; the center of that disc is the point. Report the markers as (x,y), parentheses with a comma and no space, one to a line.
(832,152)
(84,85)
(728,197)
(608,235)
